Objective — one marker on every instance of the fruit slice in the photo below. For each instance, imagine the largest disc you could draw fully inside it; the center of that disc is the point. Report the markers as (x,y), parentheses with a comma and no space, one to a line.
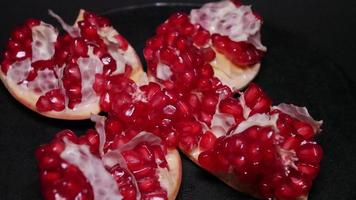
(263,150)
(224,34)
(92,167)
(54,74)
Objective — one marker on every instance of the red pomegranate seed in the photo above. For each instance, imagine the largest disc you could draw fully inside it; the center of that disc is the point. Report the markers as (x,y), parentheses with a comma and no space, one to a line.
(201,38)
(308,170)
(178,18)
(21,33)
(310,153)
(44,104)
(5,66)
(304,129)
(207,161)
(207,141)
(79,48)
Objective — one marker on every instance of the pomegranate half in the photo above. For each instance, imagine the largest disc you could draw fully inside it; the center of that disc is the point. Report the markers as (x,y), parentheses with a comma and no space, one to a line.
(225,35)
(54,74)
(96,166)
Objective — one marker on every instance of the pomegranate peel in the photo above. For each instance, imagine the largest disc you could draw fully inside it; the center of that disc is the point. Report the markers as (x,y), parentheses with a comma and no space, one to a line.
(55,74)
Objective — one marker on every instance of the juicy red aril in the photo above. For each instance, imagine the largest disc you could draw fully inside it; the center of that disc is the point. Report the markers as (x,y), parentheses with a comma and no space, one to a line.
(304,129)
(207,141)
(112,127)
(233,107)
(5,65)
(109,64)
(207,161)
(90,33)
(21,33)
(310,153)
(209,103)
(79,48)
(308,170)
(201,38)
(52,100)
(178,19)
(72,84)
(257,100)
(240,53)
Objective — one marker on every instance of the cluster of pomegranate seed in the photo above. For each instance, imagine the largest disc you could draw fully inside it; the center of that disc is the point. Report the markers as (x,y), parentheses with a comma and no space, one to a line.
(270,152)
(72,59)
(180,45)
(241,53)
(19,46)
(73,167)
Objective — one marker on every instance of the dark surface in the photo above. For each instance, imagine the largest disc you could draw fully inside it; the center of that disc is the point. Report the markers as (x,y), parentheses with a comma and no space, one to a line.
(293,71)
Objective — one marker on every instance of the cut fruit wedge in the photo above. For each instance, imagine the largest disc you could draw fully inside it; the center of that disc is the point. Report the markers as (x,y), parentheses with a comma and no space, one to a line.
(267,152)
(90,167)
(224,34)
(54,75)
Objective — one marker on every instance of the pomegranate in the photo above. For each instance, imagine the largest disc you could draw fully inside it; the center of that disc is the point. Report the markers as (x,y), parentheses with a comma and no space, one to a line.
(54,74)
(268,152)
(98,166)
(225,35)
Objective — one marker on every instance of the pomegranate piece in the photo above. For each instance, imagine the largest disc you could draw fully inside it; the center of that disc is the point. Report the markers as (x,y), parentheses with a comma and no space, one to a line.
(92,167)
(266,151)
(39,61)
(222,34)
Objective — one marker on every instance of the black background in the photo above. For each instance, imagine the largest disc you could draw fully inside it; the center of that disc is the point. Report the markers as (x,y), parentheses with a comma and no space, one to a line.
(311,42)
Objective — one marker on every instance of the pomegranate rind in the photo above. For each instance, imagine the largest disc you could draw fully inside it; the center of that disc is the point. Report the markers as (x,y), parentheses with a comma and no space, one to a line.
(175,172)
(232,75)
(29,99)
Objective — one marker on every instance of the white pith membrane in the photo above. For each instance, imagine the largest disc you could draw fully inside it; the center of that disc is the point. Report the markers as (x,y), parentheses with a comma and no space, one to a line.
(224,125)
(94,168)
(44,37)
(239,24)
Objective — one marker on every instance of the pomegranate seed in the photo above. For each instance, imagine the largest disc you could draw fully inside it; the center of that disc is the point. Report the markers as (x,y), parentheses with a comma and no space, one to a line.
(90,33)
(187,29)
(167,56)
(79,48)
(207,141)
(207,161)
(310,153)
(231,106)
(21,33)
(5,66)
(178,19)
(209,103)
(304,129)
(201,38)
(109,64)
(44,104)
(308,170)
